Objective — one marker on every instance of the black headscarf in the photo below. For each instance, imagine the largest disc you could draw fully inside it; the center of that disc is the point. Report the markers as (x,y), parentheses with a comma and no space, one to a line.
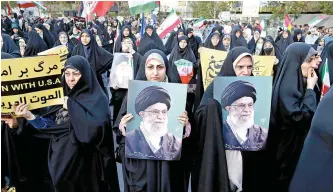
(208,44)
(328,55)
(35,45)
(120,38)
(292,110)
(175,39)
(314,167)
(86,134)
(297,32)
(283,43)
(148,43)
(69,45)
(141,75)
(47,35)
(9,46)
(237,41)
(178,53)
(193,42)
(99,59)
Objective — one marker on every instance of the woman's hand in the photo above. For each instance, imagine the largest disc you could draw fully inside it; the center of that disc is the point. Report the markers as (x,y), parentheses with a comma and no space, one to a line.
(22,111)
(123,123)
(11,122)
(65,102)
(184,120)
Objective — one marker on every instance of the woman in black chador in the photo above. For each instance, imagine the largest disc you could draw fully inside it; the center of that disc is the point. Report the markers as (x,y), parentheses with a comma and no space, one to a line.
(81,154)
(294,100)
(46,35)
(35,45)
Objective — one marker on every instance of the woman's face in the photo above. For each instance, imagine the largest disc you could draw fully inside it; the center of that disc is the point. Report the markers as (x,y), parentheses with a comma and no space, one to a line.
(115,23)
(299,36)
(149,31)
(85,39)
(260,43)
(75,30)
(215,40)
(155,70)
(126,32)
(63,38)
(126,46)
(238,33)
(21,43)
(189,35)
(72,76)
(39,31)
(98,40)
(256,35)
(182,44)
(180,34)
(244,67)
(322,42)
(285,34)
(15,30)
(226,42)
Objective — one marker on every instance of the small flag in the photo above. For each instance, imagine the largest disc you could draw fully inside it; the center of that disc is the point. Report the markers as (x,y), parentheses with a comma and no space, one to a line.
(143,25)
(171,22)
(325,79)
(199,23)
(287,22)
(142,6)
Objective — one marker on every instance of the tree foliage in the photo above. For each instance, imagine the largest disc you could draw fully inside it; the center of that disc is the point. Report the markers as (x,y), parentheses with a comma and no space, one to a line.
(326,7)
(280,9)
(209,9)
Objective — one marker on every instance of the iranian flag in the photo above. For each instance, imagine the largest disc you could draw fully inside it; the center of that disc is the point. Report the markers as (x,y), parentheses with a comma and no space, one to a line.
(316,20)
(171,22)
(142,6)
(325,79)
(199,23)
(98,7)
(27,4)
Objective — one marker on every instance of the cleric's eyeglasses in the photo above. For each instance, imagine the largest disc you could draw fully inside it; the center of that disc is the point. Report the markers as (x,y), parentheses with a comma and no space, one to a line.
(243,106)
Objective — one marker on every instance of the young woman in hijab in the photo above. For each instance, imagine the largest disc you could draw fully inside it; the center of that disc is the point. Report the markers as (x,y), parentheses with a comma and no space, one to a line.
(270,49)
(180,32)
(314,168)
(35,45)
(16,33)
(259,46)
(226,40)
(118,94)
(319,45)
(150,175)
(79,133)
(237,38)
(250,170)
(50,27)
(125,32)
(109,38)
(294,101)
(298,36)
(194,42)
(63,39)
(45,34)
(251,43)
(8,46)
(22,46)
(149,41)
(99,59)
(284,41)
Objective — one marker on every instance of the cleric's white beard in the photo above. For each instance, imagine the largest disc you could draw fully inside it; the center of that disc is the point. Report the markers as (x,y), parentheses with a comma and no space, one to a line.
(158,130)
(242,125)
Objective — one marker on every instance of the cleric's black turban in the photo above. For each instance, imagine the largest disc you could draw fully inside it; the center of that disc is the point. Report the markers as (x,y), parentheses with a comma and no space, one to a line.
(150,96)
(237,90)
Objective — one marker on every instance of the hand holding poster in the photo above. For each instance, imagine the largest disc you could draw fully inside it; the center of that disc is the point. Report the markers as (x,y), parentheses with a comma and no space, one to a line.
(263,65)
(211,64)
(32,80)
(155,132)
(60,50)
(122,71)
(246,106)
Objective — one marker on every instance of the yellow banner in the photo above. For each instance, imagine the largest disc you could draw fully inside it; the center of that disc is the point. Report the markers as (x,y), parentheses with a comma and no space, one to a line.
(32,80)
(263,65)
(211,64)
(29,67)
(60,50)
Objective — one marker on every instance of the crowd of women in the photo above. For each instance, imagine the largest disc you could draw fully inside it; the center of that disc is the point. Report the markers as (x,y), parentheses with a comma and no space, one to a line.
(70,147)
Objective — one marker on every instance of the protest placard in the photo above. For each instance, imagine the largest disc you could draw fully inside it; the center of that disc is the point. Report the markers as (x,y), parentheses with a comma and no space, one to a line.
(60,50)
(263,65)
(33,80)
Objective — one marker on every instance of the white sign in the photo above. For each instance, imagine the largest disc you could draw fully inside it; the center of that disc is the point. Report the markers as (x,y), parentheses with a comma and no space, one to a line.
(250,8)
(225,16)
